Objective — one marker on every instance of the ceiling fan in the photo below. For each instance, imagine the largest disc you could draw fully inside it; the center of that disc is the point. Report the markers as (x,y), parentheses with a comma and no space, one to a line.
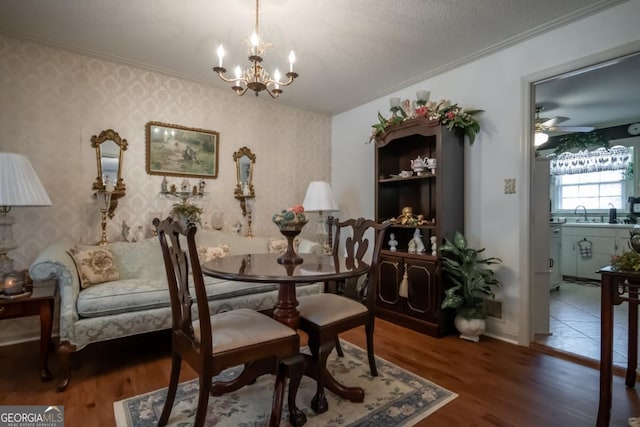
(546,125)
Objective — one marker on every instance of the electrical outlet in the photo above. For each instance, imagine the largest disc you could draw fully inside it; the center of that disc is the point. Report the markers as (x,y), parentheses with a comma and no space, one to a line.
(510,186)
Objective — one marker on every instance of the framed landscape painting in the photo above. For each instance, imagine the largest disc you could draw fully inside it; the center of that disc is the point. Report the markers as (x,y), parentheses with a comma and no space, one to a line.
(174,150)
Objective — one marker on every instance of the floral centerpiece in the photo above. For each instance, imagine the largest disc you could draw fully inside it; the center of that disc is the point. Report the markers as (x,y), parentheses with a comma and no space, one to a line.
(291,218)
(290,222)
(448,114)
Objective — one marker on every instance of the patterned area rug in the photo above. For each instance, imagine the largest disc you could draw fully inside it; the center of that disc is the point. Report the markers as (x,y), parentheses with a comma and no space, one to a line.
(395,398)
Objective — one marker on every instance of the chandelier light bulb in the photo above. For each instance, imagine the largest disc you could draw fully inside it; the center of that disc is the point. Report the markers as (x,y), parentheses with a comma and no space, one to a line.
(220,52)
(255,40)
(292,59)
(276,77)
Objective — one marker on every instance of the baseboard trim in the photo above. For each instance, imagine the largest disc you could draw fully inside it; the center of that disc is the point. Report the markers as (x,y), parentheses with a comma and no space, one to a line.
(571,357)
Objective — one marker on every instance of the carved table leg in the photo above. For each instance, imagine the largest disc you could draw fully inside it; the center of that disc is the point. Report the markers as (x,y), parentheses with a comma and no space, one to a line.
(46,325)
(65,354)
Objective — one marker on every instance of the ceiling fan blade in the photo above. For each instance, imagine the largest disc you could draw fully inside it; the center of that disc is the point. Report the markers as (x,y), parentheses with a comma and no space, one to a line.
(554,121)
(570,128)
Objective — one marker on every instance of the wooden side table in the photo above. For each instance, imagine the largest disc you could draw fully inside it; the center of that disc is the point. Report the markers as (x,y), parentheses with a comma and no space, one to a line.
(616,287)
(40,302)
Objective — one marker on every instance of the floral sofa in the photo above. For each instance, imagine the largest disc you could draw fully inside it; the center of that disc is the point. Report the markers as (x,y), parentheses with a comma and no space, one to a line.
(133,298)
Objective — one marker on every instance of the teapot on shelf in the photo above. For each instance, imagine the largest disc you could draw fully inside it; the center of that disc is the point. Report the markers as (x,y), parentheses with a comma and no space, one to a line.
(419,164)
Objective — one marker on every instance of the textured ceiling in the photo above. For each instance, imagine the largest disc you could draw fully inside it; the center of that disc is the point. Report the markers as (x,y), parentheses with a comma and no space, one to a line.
(602,95)
(349,52)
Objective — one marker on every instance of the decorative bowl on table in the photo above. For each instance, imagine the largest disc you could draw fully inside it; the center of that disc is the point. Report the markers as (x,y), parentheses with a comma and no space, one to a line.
(290,223)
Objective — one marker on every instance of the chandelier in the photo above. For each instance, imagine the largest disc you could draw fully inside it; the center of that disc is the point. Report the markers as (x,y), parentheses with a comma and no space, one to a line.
(256,77)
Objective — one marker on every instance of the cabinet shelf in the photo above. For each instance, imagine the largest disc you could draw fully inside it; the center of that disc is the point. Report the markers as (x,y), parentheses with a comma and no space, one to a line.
(404,254)
(439,196)
(422,227)
(409,178)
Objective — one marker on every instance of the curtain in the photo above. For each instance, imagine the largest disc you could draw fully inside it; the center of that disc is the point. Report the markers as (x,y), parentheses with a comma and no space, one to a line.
(617,157)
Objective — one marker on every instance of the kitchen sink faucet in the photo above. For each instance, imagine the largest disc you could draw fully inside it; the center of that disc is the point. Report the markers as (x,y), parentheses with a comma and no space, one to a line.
(575,211)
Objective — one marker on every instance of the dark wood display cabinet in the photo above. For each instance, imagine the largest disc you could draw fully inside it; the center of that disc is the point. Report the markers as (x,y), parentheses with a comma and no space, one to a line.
(410,289)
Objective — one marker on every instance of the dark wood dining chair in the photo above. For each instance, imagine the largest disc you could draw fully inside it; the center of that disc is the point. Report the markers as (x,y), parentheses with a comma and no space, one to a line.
(324,316)
(216,342)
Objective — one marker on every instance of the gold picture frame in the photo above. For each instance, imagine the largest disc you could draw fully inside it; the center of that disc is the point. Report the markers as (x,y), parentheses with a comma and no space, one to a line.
(173,150)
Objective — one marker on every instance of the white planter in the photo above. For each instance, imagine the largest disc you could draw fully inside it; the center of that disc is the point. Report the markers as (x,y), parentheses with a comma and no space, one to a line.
(470,329)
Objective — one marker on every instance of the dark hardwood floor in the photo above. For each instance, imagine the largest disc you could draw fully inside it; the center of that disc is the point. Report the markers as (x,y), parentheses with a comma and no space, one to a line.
(499,384)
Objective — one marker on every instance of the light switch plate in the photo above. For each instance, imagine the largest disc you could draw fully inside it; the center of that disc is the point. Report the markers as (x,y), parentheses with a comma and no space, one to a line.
(510,186)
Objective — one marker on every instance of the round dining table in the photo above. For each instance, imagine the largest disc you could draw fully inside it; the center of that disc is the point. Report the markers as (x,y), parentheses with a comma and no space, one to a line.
(264,268)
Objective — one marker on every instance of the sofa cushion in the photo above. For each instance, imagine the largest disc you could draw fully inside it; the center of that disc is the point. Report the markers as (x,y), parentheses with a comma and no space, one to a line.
(95,264)
(139,259)
(129,295)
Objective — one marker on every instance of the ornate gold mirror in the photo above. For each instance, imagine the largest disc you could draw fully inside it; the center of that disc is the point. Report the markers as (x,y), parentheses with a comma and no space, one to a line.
(109,153)
(245,160)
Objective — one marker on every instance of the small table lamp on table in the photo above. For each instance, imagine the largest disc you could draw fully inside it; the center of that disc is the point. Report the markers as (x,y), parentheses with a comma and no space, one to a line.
(19,186)
(319,198)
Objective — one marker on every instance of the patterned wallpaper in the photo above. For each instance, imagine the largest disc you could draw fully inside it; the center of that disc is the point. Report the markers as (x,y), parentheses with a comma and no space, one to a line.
(54,100)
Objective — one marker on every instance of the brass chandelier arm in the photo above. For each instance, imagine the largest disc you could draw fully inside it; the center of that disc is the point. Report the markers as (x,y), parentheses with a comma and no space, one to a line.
(255,83)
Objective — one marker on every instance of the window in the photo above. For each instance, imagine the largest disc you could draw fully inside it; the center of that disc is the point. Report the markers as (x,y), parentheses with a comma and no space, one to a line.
(594,179)
(593,190)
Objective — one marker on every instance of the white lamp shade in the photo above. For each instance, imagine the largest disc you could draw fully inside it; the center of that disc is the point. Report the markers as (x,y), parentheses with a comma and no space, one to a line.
(19,183)
(319,198)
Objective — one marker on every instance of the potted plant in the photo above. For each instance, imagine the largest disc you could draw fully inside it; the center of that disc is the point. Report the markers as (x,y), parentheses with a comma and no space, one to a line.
(188,212)
(470,282)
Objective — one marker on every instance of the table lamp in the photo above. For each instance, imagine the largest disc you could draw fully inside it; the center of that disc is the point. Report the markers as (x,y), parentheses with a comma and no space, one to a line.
(320,199)
(19,186)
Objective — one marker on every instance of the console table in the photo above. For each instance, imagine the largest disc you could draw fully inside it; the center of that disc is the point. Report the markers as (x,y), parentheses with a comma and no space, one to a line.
(616,287)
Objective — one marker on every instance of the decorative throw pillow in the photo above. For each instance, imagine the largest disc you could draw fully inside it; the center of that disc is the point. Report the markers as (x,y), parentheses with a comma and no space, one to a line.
(95,265)
(277,246)
(207,253)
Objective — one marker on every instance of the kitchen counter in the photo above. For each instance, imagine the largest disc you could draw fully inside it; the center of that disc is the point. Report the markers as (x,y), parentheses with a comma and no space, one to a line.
(594,224)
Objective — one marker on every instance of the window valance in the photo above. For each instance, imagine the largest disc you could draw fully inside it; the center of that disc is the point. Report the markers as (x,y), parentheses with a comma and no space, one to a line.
(617,157)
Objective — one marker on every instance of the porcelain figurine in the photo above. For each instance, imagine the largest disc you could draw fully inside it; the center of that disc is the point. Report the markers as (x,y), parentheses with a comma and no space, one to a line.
(393,243)
(416,243)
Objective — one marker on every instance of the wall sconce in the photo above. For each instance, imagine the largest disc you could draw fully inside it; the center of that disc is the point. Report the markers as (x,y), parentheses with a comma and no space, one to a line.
(104,203)
(249,210)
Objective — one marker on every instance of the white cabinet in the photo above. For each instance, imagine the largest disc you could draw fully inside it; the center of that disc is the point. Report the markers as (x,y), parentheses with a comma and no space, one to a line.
(586,249)
(568,253)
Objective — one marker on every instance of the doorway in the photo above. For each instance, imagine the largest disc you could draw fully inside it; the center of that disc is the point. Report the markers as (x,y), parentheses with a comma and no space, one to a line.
(601,97)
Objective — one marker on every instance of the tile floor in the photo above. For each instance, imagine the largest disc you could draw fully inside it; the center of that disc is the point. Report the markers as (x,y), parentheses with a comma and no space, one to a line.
(575,322)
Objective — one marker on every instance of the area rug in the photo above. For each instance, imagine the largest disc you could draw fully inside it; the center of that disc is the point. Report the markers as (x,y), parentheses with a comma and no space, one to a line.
(395,397)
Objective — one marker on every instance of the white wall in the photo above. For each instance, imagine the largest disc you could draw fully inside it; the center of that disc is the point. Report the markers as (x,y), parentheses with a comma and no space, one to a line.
(497,84)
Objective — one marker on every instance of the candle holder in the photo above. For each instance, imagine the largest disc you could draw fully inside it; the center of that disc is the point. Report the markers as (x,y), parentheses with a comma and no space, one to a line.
(13,284)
